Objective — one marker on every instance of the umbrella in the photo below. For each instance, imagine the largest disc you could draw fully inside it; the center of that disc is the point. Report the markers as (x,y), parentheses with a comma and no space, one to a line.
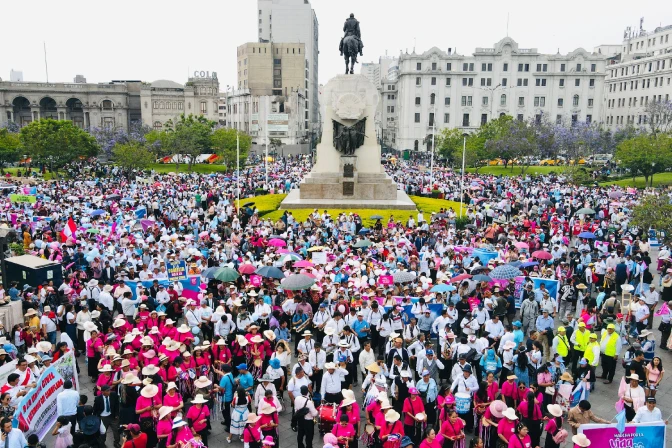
(481,278)
(210,272)
(403,277)
(246,268)
(297,282)
(460,278)
(528,264)
(98,212)
(615,194)
(113,197)
(505,271)
(248,204)
(515,264)
(93,231)
(478,269)
(277,236)
(375,217)
(364,231)
(277,242)
(542,255)
(443,288)
(547,202)
(585,211)
(441,216)
(363,243)
(290,257)
(227,275)
(270,272)
(588,235)
(316,248)
(522,245)
(470,226)
(303,264)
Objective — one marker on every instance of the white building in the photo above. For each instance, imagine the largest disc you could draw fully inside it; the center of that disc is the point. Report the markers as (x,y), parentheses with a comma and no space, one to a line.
(379,74)
(294,21)
(641,72)
(467,91)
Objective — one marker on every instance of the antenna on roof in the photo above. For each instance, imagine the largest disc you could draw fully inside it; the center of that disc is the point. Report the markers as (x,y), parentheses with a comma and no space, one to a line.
(507,24)
(46,67)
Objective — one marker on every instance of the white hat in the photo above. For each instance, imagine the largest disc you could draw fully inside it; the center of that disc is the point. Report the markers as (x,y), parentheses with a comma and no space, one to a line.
(177,421)
(106,368)
(149,391)
(199,399)
(633,376)
(510,413)
(330,365)
(184,328)
(581,440)
(555,410)
(392,416)
(164,410)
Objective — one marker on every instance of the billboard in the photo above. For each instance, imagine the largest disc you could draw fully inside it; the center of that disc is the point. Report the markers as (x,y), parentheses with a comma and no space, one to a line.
(254,126)
(278,123)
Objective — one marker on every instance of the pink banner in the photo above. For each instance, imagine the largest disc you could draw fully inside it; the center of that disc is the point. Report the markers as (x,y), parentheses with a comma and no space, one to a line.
(255,280)
(386,280)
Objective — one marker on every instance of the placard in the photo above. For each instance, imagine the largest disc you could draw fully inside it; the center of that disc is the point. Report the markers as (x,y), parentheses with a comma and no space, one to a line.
(386,280)
(255,280)
(37,412)
(639,435)
(319,257)
(177,271)
(29,198)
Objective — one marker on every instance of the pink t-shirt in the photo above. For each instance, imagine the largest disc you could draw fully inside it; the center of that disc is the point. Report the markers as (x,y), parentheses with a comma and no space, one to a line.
(173,401)
(343,431)
(413,407)
(506,428)
(143,402)
(653,374)
(164,427)
(196,415)
(93,347)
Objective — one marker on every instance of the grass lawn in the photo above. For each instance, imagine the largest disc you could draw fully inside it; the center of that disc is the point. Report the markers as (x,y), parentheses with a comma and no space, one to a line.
(201,168)
(268,207)
(506,171)
(658,180)
(13,170)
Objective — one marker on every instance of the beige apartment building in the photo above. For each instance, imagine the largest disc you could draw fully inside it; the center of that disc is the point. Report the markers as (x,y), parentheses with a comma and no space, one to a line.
(271,69)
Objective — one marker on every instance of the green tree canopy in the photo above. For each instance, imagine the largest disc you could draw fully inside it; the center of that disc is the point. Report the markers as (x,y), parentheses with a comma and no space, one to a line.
(132,156)
(10,147)
(190,136)
(654,212)
(646,155)
(223,142)
(57,142)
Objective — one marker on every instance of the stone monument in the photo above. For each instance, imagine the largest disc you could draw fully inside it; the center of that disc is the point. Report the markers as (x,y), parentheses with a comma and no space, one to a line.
(348,172)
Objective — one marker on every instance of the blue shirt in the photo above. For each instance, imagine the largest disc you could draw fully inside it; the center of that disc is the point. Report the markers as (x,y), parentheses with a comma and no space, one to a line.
(542,324)
(67,402)
(358,326)
(228,385)
(425,323)
(518,337)
(281,334)
(246,380)
(14,294)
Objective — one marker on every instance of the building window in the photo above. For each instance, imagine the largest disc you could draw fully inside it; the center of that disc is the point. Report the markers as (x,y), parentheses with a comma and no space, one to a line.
(464,101)
(433,80)
(449,66)
(575,118)
(465,119)
(204,107)
(562,67)
(417,100)
(415,145)
(502,100)
(431,118)
(157,125)
(432,99)
(417,118)
(562,83)
(484,119)
(446,118)
(446,101)
(418,81)
(504,82)
(465,67)
(464,82)
(591,83)
(448,82)
(593,68)
(505,67)
(558,119)
(590,102)
(578,67)
(418,66)
(561,102)
(577,82)
(433,65)
(469,101)
(107,105)
(485,100)
(589,118)
(519,117)
(521,100)
(575,100)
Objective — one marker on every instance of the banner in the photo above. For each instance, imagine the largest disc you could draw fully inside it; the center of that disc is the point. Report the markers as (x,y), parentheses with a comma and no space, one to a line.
(386,280)
(191,286)
(634,436)
(551,285)
(65,365)
(37,412)
(319,257)
(177,271)
(6,370)
(140,212)
(255,280)
(23,198)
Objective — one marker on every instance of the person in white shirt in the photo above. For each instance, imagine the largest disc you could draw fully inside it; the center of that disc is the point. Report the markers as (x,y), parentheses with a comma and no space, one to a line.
(317,358)
(331,383)
(105,298)
(128,305)
(294,384)
(366,358)
(11,437)
(649,413)
(192,315)
(456,372)
(162,296)
(306,344)
(494,328)
(466,383)
(224,325)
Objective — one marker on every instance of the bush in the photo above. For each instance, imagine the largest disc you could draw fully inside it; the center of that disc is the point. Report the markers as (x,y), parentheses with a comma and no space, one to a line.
(436,194)
(17,249)
(461,223)
(259,192)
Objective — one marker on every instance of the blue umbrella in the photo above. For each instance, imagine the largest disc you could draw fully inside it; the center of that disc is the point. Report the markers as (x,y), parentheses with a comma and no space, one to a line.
(588,235)
(98,212)
(270,272)
(481,278)
(443,288)
(211,272)
(364,231)
(527,264)
(505,271)
(515,264)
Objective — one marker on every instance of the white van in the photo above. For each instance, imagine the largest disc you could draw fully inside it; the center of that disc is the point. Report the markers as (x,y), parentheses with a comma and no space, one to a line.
(599,159)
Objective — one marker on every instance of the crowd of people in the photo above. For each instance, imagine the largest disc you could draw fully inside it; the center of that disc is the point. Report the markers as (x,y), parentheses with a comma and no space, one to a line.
(400,336)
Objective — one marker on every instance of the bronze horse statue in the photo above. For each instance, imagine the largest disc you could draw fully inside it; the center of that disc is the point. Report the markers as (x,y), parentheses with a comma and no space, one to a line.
(351,44)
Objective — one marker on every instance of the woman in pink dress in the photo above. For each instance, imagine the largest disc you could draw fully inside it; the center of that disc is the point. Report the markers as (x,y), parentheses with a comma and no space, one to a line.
(345,433)
(167,371)
(106,378)
(169,330)
(173,399)
(146,407)
(432,439)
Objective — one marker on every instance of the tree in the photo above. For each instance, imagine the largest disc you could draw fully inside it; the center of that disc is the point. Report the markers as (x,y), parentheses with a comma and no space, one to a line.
(107,138)
(514,140)
(223,142)
(190,136)
(159,142)
(275,144)
(658,115)
(57,142)
(132,156)
(646,155)
(10,148)
(653,212)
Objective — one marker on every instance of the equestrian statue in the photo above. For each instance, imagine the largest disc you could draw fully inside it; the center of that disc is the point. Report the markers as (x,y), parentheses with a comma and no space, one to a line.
(351,44)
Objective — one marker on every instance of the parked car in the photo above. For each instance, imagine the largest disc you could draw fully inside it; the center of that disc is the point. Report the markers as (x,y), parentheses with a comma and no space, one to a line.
(599,159)
(559,160)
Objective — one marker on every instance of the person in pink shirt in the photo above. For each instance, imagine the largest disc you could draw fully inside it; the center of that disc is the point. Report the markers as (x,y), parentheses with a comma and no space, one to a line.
(374,407)
(222,353)
(509,392)
(507,425)
(347,408)
(94,349)
(493,387)
(173,399)
(580,441)
(184,335)
(167,371)
(251,433)
(532,416)
(198,417)
(344,431)
(452,430)
(152,320)
(491,418)
(169,330)
(150,358)
(106,378)
(553,426)
(180,435)
(521,438)
(165,424)
(412,407)
(202,364)
(379,421)
(129,355)
(269,420)
(432,439)
(148,402)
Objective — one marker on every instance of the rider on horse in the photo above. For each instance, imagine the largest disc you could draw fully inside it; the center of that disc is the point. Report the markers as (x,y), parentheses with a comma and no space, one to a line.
(351,28)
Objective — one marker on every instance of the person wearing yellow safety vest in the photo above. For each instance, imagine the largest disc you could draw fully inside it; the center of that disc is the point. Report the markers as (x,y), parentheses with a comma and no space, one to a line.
(592,355)
(561,344)
(580,339)
(610,346)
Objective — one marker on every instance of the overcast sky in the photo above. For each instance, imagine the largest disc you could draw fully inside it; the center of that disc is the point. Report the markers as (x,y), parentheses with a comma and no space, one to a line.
(149,40)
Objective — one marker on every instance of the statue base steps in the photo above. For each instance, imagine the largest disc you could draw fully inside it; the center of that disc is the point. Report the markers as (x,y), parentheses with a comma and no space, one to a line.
(295,200)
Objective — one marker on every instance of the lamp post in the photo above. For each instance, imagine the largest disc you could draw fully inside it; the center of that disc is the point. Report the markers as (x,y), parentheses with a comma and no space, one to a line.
(238,169)
(431,163)
(464,152)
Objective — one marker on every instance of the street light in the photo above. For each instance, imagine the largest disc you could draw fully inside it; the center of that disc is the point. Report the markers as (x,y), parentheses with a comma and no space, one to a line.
(464,152)
(431,164)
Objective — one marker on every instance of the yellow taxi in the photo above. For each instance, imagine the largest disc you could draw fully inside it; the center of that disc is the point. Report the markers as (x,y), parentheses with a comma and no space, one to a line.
(496,162)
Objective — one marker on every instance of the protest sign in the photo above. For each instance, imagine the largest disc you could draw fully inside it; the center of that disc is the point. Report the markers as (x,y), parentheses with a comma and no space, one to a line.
(640,435)
(37,412)
(319,257)
(177,271)
(23,198)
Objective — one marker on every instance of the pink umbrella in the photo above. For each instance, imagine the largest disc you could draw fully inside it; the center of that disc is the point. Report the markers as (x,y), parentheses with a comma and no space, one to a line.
(459,278)
(283,251)
(542,255)
(307,274)
(303,264)
(522,245)
(277,242)
(246,268)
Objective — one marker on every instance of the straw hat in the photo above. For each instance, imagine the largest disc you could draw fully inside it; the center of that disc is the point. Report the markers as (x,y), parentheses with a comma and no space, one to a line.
(348,394)
(373,367)
(581,440)
(330,365)
(149,391)
(125,363)
(199,399)
(268,334)
(392,416)
(257,339)
(555,410)
(150,370)
(106,368)
(347,402)
(184,328)
(44,346)
(566,377)
(385,404)
(202,382)
(633,376)
(510,413)
(130,379)
(497,408)
(266,409)
(178,423)
(253,418)
(119,323)
(164,410)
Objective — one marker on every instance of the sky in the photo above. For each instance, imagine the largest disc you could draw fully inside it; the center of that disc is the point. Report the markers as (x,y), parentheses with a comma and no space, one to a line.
(149,40)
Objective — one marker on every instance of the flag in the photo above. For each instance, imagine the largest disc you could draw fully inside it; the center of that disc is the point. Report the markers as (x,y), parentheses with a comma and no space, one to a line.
(578,394)
(70,230)
(115,225)
(140,212)
(620,421)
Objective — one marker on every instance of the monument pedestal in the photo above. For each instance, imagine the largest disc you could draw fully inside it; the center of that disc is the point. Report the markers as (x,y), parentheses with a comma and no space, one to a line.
(356,179)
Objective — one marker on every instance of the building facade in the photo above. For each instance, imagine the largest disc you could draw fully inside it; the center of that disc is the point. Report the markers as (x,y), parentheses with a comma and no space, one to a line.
(441,89)
(294,21)
(640,73)
(271,68)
